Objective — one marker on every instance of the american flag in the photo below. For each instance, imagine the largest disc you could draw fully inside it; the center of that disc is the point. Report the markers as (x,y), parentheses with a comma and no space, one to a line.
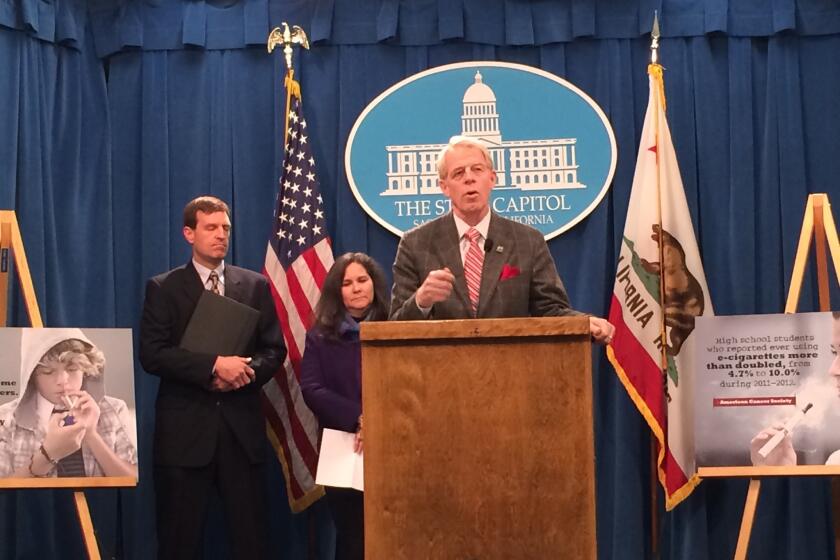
(296,262)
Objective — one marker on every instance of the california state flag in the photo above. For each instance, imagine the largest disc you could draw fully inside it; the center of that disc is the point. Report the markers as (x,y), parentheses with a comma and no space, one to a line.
(660,288)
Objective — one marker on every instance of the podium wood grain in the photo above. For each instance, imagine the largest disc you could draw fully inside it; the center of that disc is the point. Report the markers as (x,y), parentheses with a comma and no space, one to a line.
(478,439)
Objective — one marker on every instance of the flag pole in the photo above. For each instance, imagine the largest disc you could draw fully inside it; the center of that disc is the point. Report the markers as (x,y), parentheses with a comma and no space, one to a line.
(656,70)
(288,37)
(654,42)
(291,426)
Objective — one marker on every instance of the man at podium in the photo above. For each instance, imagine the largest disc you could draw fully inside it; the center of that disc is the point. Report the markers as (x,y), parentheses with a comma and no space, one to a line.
(473,263)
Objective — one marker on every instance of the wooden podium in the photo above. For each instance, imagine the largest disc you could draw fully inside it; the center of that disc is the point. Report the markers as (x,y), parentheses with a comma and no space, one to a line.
(478,439)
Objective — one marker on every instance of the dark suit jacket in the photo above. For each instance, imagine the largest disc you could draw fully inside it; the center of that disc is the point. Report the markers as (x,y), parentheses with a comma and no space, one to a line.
(188,413)
(533,289)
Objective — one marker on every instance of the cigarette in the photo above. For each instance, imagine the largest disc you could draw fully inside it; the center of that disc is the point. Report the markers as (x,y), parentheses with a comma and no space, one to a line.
(68,401)
(774,441)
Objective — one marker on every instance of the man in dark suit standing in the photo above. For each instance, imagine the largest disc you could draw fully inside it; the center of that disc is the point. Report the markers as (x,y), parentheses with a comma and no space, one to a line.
(209,431)
(473,263)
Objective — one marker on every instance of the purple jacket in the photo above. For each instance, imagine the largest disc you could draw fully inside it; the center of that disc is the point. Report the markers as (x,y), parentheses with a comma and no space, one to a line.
(331,377)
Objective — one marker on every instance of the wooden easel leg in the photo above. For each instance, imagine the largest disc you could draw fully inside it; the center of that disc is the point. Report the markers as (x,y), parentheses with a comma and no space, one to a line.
(11,237)
(801,259)
(819,250)
(5,262)
(87,525)
(825,233)
(747,519)
(831,237)
(818,221)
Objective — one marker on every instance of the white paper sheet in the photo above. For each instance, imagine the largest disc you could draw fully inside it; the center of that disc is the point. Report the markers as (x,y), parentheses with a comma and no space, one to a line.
(338,464)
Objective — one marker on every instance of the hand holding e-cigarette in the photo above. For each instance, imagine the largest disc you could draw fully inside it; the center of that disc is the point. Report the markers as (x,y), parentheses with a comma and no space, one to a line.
(787,428)
(773,446)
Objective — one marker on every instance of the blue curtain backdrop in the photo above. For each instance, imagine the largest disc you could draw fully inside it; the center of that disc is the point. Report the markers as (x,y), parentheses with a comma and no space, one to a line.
(118,112)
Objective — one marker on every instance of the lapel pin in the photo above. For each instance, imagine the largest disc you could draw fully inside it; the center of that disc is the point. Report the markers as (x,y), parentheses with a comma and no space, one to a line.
(499,249)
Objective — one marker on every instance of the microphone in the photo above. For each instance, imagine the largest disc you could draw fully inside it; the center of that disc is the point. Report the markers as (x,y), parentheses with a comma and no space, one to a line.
(488,245)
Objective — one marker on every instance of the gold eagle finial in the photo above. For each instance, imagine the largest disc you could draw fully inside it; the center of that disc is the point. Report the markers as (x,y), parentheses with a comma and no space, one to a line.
(287,37)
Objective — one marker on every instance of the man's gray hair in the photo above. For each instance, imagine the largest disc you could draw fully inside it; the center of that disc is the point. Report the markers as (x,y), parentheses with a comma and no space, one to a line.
(463,142)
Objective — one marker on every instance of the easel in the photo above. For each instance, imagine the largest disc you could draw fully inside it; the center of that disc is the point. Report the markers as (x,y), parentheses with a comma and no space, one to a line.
(11,246)
(819,224)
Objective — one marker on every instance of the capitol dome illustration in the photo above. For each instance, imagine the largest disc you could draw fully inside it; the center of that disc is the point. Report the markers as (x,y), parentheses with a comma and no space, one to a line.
(478,92)
(528,165)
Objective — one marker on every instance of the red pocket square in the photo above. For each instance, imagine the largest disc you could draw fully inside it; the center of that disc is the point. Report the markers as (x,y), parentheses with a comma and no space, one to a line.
(508,271)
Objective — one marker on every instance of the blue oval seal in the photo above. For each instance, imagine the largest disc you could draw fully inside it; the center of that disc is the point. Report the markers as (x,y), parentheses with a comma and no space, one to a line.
(552,146)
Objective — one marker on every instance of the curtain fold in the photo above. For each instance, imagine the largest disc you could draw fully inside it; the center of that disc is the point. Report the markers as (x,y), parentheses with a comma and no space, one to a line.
(53,21)
(172,24)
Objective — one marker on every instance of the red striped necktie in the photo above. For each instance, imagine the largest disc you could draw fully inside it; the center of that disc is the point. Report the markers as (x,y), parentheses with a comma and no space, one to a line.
(473,264)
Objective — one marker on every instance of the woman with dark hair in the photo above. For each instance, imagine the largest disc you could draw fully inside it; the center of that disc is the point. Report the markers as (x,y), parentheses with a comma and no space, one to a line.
(354,290)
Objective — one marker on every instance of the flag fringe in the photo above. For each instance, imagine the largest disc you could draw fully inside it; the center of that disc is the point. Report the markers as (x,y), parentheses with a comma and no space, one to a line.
(292,90)
(297,505)
(655,71)
(292,85)
(681,493)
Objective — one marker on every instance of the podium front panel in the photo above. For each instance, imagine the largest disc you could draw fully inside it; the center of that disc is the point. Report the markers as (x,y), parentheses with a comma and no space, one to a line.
(478,439)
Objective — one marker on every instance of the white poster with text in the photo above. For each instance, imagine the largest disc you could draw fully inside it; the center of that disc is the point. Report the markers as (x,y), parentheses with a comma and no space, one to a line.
(767,390)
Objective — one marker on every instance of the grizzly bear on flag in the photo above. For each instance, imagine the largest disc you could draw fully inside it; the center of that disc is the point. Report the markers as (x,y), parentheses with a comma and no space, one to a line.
(683,294)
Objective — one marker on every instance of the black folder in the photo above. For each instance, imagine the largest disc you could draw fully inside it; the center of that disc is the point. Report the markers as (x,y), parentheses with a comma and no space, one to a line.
(220,326)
